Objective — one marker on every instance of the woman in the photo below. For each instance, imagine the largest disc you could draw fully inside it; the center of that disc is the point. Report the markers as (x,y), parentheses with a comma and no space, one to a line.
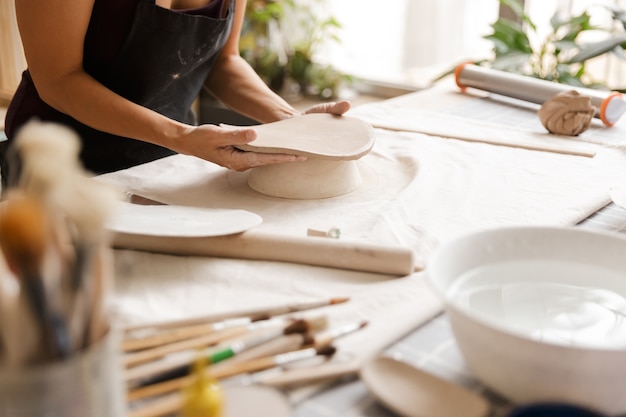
(124,74)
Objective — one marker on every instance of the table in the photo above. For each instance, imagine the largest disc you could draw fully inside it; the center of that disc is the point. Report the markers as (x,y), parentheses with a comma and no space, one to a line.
(430,347)
(435,178)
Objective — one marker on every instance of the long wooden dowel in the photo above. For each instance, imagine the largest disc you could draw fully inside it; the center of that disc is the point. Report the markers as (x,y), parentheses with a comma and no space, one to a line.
(319,251)
(503,137)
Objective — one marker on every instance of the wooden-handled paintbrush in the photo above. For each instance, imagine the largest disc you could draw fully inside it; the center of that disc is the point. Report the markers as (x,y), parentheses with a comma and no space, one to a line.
(169,404)
(24,232)
(215,356)
(252,313)
(150,338)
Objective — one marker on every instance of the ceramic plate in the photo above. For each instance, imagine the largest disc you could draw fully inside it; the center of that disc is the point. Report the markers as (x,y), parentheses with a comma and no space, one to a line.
(181,221)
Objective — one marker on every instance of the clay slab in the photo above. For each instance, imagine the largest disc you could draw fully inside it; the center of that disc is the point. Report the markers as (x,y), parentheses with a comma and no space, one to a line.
(181,221)
(320,135)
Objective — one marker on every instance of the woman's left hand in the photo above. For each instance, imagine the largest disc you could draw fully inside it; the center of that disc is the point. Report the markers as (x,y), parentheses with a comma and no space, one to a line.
(338,108)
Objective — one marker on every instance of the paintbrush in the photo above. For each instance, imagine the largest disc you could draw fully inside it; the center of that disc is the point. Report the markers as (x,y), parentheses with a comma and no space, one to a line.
(24,231)
(169,404)
(19,334)
(149,338)
(87,205)
(263,311)
(169,368)
(48,153)
(331,335)
(213,338)
(51,172)
(261,364)
(174,379)
(318,342)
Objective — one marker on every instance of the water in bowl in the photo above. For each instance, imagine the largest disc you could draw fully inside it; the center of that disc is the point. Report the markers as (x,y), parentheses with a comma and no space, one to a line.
(565,303)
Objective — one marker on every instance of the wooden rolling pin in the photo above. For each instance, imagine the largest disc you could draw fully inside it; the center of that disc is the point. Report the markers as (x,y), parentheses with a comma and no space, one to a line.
(310,250)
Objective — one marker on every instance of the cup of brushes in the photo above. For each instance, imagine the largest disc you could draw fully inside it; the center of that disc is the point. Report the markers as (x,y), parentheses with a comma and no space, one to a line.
(59,354)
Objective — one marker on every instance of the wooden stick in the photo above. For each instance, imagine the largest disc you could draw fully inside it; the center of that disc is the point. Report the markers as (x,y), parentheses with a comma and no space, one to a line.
(301,376)
(195,343)
(161,338)
(491,136)
(319,341)
(282,344)
(172,403)
(266,312)
(160,407)
(334,253)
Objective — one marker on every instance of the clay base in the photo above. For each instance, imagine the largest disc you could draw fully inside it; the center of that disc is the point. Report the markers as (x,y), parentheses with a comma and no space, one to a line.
(310,179)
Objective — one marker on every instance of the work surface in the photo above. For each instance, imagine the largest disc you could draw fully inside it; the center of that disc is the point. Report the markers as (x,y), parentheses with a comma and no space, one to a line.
(418,191)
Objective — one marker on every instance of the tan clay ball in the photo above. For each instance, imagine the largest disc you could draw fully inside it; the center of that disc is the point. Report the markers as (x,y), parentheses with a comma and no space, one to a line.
(567,113)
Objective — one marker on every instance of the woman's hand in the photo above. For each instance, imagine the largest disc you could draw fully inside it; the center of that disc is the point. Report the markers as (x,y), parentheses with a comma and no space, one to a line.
(338,108)
(219,145)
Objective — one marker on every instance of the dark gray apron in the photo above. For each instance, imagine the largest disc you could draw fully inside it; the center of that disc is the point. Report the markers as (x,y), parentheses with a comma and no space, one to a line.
(162,65)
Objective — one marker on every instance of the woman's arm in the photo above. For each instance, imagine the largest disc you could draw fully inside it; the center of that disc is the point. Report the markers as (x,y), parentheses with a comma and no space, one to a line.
(53,33)
(236,85)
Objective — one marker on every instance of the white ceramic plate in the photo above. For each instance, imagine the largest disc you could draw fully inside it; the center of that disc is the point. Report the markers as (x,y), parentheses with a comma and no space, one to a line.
(181,221)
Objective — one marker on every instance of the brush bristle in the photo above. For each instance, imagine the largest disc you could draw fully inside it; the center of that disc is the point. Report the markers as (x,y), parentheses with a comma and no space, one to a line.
(328,350)
(298,326)
(317,323)
(48,140)
(23,232)
(87,203)
(49,154)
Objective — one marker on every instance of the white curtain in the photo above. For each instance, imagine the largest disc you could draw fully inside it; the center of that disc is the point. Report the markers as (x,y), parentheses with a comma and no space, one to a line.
(409,41)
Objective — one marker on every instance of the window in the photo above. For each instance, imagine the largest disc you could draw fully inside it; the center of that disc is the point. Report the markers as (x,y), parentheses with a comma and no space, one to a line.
(412,41)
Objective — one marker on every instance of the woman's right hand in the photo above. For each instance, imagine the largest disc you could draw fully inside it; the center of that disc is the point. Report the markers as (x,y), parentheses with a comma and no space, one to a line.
(218,145)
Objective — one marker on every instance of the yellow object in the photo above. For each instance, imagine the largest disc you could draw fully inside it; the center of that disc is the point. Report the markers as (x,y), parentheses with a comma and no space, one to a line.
(203,398)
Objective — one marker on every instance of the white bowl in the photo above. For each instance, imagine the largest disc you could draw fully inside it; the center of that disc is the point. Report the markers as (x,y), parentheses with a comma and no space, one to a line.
(539,313)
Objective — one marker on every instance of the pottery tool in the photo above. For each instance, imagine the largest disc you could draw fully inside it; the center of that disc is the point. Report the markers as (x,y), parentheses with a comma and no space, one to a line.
(609,105)
(308,375)
(333,253)
(24,232)
(326,371)
(166,383)
(317,341)
(175,367)
(254,314)
(210,339)
(149,338)
(436,124)
(251,244)
(171,403)
(411,392)
(20,337)
(253,345)
(52,173)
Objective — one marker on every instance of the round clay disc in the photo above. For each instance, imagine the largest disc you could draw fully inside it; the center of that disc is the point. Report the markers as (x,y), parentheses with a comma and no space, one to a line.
(320,135)
(181,221)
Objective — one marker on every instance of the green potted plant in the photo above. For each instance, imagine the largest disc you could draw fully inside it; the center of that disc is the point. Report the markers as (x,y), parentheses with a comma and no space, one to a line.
(561,55)
(280,39)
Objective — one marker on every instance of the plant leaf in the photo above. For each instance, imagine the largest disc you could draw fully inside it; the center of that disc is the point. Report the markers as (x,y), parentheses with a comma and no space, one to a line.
(592,50)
